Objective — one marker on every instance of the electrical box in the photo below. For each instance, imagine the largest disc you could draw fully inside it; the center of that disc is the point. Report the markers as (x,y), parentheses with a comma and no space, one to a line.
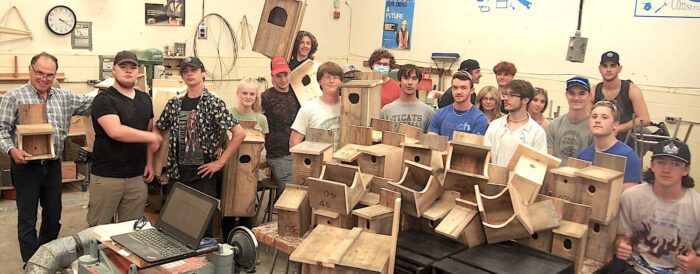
(576,52)
(202,31)
(106,63)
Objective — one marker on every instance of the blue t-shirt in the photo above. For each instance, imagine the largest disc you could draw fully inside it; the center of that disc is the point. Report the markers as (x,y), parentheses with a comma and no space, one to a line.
(633,168)
(447,120)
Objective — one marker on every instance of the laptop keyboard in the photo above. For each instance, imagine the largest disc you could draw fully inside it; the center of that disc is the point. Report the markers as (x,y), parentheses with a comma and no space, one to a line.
(164,246)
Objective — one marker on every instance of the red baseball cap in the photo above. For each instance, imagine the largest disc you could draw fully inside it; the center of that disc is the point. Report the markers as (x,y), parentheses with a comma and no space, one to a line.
(279,64)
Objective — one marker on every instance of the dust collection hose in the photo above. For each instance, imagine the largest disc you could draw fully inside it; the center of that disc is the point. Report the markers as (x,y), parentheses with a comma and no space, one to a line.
(60,253)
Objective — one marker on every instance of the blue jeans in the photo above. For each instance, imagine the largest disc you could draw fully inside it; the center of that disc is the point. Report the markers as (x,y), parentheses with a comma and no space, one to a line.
(37,183)
(281,168)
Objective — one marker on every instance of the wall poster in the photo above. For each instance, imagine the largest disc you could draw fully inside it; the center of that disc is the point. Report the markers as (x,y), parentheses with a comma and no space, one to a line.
(398,24)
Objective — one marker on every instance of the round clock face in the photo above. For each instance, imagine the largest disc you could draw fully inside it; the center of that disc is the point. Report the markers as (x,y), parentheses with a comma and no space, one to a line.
(60,20)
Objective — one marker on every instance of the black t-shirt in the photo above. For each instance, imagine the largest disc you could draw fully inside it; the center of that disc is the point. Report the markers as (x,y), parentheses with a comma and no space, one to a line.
(280,109)
(189,152)
(112,158)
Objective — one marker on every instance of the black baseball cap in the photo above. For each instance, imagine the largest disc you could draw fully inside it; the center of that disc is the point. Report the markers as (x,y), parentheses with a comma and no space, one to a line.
(672,148)
(191,62)
(610,56)
(469,65)
(126,56)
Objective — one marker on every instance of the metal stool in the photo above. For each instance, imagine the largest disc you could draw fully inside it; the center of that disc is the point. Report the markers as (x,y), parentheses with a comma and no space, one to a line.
(269,185)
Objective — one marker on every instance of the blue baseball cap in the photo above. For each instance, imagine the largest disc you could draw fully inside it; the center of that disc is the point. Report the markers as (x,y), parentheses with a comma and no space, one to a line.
(578,81)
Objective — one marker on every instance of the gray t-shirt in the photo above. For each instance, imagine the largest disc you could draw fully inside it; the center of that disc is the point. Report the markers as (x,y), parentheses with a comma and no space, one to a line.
(567,139)
(658,230)
(417,114)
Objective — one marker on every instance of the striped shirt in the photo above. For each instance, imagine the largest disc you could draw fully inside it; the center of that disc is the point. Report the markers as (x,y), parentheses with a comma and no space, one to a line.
(61,105)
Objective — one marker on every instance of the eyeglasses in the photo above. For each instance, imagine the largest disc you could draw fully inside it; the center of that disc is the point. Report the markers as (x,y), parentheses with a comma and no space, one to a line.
(41,75)
(507,95)
(674,164)
(140,223)
(606,103)
(328,77)
(463,73)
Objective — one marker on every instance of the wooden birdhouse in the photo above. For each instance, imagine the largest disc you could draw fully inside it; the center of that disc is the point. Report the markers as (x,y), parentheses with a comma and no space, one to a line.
(531,165)
(428,151)
(308,156)
(466,167)
(413,134)
(463,224)
(570,238)
(381,160)
(418,187)
(601,239)
(378,218)
(330,218)
(505,216)
(35,134)
(338,188)
(360,137)
(293,211)
(240,179)
(378,126)
(360,102)
(304,82)
(600,188)
(279,23)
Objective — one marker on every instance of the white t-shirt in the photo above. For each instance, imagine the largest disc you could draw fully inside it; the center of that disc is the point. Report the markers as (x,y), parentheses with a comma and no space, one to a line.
(658,230)
(317,114)
(504,142)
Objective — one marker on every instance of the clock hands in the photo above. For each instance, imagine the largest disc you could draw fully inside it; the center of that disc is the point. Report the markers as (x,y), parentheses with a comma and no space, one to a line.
(64,21)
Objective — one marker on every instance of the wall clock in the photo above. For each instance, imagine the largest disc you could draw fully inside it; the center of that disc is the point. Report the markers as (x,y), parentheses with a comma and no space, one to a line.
(60,20)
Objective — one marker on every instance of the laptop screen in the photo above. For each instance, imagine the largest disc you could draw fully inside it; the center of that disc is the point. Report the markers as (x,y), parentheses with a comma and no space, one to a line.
(186,214)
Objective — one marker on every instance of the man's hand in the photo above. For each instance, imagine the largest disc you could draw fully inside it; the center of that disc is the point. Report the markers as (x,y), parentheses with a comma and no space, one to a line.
(688,262)
(208,170)
(148,173)
(19,156)
(623,251)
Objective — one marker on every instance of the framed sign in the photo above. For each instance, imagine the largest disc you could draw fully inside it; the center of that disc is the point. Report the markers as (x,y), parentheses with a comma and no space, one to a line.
(166,13)
(81,37)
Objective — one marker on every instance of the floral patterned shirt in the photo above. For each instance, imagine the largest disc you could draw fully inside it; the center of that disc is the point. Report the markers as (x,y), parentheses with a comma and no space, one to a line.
(214,120)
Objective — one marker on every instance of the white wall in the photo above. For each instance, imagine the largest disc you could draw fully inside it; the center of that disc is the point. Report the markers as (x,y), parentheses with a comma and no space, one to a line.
(119,25)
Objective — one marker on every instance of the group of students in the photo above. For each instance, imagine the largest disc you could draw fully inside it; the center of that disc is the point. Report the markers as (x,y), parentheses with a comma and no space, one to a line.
(660,221)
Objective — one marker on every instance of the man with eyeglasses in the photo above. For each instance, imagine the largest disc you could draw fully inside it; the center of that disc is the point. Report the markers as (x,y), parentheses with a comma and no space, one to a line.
(381,61)
(122,164)
(659,224)
(462,115)
(568,134)
(472,67)
(322,112)
(603,123)
(281,106)
(38,181)
(408,109)
(517,127)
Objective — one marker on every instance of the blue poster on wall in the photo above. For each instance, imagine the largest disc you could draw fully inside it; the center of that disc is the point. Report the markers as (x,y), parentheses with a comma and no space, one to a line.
(398,24)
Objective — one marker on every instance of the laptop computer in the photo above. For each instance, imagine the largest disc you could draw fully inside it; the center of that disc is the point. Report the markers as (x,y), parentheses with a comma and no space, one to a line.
(180,227)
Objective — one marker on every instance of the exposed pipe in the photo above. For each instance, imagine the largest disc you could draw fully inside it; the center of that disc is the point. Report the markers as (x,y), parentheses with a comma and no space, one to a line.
(60,253)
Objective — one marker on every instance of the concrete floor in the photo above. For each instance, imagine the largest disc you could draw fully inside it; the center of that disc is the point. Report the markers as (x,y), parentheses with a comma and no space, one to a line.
(73,220)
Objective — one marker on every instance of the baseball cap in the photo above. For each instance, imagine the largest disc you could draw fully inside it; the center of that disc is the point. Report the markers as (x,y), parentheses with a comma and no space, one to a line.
(610,56)
(191,62)
(126,56)
(578,81)
(672,148)
(350,68)
(469,65)
(279,64)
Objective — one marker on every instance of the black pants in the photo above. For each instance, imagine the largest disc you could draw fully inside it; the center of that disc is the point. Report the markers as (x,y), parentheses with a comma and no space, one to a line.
(37,182)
